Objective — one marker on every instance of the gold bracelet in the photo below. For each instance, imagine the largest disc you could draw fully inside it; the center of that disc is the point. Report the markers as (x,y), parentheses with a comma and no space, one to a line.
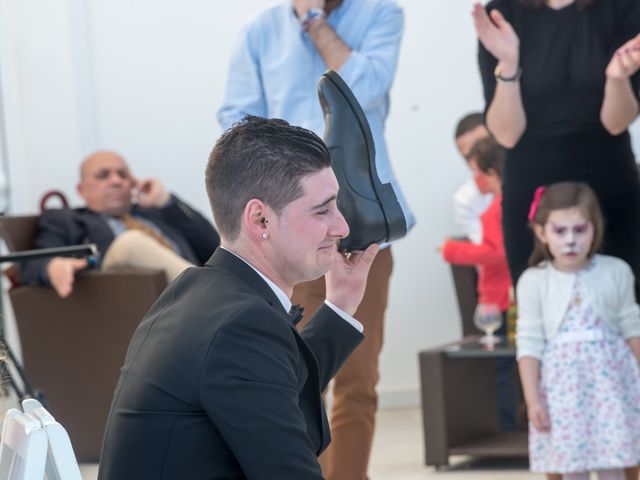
(498,74)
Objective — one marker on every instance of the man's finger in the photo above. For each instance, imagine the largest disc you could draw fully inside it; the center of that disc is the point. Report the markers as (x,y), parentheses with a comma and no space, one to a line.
(366,256)
(64,284)
(64,290)
(370,253)
(78,263)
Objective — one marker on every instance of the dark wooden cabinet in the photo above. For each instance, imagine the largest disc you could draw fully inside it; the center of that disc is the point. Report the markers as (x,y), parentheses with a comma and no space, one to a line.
(459,403)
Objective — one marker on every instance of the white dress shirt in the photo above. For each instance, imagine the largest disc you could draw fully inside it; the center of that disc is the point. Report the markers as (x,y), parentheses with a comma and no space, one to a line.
(468,205)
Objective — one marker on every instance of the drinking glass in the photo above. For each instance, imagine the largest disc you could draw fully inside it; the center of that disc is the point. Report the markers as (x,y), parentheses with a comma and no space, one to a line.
(488,318)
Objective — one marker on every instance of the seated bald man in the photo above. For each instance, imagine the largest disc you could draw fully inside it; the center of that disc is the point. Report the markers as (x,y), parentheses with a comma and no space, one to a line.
(133,223)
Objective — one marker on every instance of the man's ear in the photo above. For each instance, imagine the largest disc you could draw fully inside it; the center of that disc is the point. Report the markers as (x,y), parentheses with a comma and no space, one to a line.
(79,189)
(538,230)
(256,217)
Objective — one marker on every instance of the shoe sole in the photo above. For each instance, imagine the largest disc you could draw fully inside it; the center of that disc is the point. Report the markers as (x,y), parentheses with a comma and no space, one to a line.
(383,192)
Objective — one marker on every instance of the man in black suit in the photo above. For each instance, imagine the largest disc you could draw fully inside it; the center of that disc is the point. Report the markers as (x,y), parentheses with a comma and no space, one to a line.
(217,381)
(158,230)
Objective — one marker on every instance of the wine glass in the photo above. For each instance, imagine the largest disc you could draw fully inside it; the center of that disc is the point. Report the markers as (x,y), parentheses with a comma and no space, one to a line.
(488,318)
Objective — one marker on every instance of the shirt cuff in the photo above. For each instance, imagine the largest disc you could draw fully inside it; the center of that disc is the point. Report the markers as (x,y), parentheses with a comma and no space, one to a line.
(348,318)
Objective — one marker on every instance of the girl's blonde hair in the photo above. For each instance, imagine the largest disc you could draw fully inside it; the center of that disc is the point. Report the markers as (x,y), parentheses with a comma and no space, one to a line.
(559,196)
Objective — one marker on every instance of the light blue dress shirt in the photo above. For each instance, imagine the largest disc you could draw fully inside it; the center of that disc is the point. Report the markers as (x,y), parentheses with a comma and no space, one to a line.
(275,69)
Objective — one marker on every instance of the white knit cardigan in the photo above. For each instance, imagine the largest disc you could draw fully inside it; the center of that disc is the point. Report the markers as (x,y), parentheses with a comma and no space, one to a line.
(544,294)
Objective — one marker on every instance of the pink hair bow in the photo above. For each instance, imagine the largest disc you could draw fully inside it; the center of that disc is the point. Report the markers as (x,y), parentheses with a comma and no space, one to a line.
(537,195)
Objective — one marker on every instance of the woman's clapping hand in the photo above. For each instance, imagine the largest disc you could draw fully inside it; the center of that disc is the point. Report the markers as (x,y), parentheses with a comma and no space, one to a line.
(496,34)
(626,60)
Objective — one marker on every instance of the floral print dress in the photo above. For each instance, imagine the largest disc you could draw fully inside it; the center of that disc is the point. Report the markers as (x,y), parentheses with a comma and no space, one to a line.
(590,384)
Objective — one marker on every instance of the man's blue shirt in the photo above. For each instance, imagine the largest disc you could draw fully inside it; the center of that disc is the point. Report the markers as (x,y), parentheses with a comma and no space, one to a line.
(275,68)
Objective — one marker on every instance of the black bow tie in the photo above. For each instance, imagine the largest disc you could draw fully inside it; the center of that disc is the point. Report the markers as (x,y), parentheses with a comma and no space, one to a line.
(295,314)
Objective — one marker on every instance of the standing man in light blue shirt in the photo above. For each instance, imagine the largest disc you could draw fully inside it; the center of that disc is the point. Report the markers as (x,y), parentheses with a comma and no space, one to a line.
(275,66)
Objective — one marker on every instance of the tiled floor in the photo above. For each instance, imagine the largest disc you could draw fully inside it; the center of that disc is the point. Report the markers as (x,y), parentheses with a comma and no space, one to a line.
(398,455)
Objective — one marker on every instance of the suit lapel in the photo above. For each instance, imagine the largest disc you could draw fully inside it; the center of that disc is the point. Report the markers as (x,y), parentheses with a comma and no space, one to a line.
(95,229)
(313,393)
(227,261)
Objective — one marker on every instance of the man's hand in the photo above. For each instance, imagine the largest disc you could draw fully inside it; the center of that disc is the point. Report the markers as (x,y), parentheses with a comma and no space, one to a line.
(347,278)
(303,6)
(440,248)
(61,272)
(150,193)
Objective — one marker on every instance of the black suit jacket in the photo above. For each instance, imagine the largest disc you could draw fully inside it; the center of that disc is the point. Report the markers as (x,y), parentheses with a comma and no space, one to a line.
(195,236)
(218,384)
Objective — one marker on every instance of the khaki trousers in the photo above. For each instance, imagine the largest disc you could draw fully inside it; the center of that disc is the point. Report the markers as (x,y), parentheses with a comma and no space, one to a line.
(134,248)
(355,400)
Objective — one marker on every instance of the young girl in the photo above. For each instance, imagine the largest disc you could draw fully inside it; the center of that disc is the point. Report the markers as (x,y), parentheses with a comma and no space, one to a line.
(578,342)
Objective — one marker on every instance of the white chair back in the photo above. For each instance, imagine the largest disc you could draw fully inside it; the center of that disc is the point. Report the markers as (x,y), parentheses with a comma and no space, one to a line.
(61,463)
(23,447)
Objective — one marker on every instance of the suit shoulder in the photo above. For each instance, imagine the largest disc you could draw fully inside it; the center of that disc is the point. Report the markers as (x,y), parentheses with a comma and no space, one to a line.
(256,315)
(234,301)
(252,331)
(63,213)
(64,218)
(218,313)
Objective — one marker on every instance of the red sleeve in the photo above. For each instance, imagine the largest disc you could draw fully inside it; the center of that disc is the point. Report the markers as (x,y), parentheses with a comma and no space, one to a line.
(489,252)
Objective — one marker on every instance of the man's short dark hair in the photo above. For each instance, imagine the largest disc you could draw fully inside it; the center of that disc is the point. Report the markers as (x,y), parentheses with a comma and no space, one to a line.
(488,155)
(260,158)
(469,122)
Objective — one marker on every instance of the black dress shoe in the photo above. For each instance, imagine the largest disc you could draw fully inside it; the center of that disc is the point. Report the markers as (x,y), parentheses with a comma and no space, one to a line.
(369,206)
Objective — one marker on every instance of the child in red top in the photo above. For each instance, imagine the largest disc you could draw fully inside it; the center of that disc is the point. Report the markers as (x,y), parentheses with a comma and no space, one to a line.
(494,280)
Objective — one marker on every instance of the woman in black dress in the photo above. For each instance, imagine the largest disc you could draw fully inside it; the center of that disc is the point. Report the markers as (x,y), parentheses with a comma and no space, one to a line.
(561,84)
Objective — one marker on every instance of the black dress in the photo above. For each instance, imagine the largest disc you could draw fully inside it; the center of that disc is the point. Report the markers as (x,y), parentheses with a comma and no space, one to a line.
(563,56)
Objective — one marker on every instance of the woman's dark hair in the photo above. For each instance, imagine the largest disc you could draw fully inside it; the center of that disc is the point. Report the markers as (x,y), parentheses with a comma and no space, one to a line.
(581,4)
(559,196)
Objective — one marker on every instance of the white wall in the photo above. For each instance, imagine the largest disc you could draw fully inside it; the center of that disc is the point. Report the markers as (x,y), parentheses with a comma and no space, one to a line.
(146,78)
